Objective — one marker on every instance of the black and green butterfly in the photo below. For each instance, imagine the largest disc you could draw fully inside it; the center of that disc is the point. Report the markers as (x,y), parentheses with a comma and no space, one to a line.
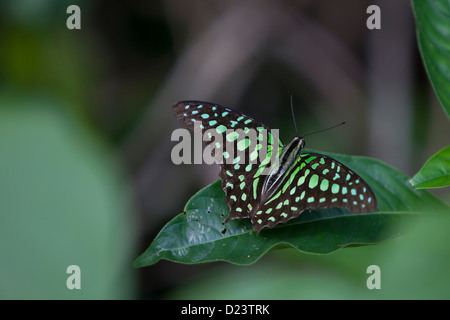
(294,182)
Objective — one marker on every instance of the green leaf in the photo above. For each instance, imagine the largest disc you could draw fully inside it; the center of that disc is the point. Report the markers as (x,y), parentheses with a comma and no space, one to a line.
(435,173)
(196,235)
(433,32)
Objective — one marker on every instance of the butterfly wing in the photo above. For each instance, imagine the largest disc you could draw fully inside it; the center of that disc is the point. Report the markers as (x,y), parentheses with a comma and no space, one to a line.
(315,181)
(240,140)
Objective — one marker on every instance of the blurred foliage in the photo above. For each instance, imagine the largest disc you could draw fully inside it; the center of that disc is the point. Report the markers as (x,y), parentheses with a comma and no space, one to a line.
(64,201)
(433,30)
(85,123)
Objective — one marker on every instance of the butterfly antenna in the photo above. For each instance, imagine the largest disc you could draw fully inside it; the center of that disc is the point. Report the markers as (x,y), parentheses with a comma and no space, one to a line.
(292,111)
(337,125)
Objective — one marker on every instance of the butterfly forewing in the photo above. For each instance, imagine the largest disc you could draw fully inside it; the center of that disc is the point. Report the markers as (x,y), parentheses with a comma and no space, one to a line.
(315,181)
(245,149)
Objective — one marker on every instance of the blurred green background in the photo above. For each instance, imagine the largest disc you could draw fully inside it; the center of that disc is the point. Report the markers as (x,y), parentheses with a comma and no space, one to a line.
(85,124)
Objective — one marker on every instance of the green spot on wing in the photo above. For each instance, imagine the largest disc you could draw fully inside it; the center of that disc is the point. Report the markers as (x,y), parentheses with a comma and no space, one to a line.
(255,186)
(221,129)
(274,197)
(232,136)
(310,159)
(324,185)
(313,181)
(243,144)
(335,188)
(302,196)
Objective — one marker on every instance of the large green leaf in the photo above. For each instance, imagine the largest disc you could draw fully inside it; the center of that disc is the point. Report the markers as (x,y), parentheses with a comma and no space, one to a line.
(433,31)
(435,173)
(196,235)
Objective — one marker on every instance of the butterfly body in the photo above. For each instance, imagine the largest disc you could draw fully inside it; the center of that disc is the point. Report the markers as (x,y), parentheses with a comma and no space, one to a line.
(271,192)
(277,175)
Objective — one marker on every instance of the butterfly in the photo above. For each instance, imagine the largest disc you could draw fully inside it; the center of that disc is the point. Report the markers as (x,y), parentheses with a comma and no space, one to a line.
(266,180)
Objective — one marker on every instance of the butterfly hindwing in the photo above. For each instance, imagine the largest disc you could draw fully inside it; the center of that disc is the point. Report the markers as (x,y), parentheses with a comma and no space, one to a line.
(242,163)
(315,181)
